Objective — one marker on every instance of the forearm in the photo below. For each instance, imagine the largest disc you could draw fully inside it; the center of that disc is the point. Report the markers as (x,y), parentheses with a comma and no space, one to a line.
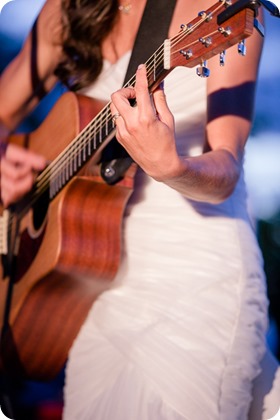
(210,177)
(4,131)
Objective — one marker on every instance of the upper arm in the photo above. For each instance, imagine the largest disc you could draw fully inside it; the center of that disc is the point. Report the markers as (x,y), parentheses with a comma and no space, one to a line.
(231,94)
(15,82)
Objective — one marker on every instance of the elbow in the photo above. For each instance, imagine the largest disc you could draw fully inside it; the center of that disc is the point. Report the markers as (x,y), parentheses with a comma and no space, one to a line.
(8,119)
(225,188)
(227,178)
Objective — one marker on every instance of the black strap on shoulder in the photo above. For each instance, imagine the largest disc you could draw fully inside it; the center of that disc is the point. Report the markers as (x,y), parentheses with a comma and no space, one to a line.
(37,85)
(152,32)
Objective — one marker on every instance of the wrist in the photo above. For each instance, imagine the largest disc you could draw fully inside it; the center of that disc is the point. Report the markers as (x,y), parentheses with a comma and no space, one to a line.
(172,170)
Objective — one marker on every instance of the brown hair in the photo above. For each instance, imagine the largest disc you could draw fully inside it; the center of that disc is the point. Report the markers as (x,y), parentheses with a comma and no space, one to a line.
(85,24)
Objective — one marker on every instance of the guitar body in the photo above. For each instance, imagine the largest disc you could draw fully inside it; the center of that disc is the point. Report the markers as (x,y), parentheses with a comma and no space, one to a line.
(69,251)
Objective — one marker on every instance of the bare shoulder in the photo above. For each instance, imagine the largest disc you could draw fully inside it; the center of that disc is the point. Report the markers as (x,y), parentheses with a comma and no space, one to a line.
(49,50)
(49,22)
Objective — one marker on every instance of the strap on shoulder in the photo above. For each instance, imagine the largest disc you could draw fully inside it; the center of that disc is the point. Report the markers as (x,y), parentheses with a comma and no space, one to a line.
(37,85)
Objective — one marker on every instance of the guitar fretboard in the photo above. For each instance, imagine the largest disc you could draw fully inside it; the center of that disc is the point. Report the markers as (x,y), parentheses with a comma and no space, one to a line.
(96,134)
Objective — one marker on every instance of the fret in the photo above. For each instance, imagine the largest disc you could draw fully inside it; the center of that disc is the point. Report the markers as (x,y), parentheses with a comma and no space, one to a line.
(4,223)
(154,67)
(89,148)
(71,168)
(98,137)
(58,180)
(51,190)
(67,172)
(63,176)
(79,160)
(107,126)
(100,133)
(94,142)
(84,153)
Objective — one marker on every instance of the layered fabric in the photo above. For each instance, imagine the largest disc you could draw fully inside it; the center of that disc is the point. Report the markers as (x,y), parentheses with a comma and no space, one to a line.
(181,332)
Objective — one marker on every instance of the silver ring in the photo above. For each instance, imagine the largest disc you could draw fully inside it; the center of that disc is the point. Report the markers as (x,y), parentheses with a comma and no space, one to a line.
(115,117)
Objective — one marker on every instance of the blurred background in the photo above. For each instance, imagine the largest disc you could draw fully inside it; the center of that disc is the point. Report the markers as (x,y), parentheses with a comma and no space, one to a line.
(43,401)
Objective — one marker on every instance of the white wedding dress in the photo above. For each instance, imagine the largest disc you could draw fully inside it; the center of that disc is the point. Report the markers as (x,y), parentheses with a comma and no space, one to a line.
(181,332)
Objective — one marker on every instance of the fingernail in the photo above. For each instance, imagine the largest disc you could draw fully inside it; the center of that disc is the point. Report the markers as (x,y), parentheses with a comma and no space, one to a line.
(140,66)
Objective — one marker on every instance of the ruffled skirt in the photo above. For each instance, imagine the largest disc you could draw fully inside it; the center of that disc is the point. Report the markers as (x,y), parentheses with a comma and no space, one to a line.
(181,332)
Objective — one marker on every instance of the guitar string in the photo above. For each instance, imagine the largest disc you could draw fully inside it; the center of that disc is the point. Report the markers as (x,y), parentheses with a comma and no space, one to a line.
(66,154)
(62,170)
(97,120)
(94,125)
(178,36)
(101,123)
(57,167)
(77,146)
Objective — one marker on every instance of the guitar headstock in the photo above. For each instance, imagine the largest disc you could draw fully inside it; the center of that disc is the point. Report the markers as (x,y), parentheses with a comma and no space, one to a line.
(205,36)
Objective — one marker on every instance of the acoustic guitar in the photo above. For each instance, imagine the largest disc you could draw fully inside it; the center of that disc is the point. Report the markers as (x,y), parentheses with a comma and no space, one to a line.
(62,242)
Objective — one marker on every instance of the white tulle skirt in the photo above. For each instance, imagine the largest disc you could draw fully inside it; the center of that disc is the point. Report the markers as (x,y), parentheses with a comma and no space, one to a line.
(181,333)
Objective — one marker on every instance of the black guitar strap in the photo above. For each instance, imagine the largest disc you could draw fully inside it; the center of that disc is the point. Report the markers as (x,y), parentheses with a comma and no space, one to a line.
(153,30)
(37,85)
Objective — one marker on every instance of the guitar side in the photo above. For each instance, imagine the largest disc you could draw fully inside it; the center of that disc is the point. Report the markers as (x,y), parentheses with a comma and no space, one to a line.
(78,244)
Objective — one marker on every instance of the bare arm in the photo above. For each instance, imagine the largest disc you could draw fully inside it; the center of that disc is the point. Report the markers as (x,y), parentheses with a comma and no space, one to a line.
(17,76)
(19,166)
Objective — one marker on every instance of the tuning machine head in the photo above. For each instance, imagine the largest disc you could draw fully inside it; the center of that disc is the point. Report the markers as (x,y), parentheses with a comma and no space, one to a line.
(222,58)
(241,48)
(203,70)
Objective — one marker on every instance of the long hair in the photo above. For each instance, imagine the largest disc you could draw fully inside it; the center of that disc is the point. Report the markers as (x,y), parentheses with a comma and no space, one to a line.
(85,23)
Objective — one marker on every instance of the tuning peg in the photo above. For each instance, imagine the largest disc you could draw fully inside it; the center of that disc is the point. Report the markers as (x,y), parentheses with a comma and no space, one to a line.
(203,71)
(207,16)
(185,27)
(225,31)
(222,58)
(206,41)
(187,54)
(241,48)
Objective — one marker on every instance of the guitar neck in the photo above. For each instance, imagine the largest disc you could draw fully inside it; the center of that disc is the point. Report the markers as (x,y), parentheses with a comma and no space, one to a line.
(94,137)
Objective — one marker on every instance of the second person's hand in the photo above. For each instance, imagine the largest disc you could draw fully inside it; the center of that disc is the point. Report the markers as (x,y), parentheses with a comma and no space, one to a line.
(19,168)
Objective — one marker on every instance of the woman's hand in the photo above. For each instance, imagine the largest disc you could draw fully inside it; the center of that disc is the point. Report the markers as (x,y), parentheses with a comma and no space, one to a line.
(19,168)
(146,131)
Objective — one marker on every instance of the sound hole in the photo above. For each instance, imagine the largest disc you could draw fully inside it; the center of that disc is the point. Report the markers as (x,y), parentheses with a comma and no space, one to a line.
(40,209)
